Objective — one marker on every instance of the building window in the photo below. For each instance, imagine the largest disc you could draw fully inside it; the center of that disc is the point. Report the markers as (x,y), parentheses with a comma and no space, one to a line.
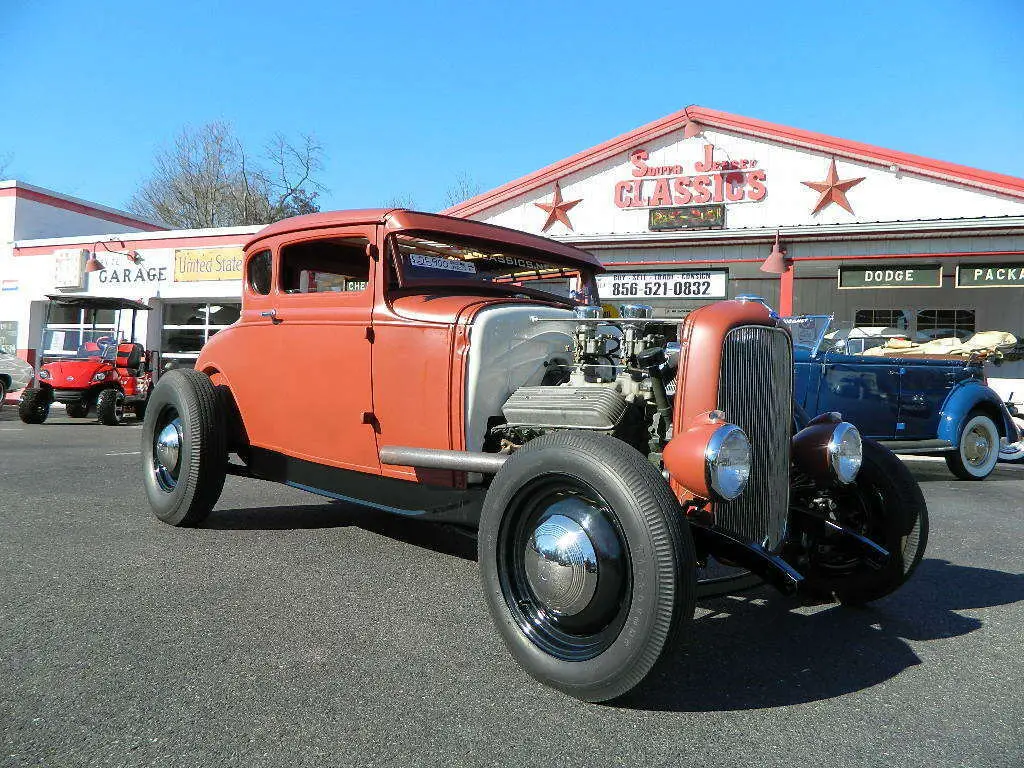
(936,323)
(188,326)
(882,318)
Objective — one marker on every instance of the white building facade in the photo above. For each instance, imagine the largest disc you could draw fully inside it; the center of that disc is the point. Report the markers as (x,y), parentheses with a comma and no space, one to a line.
(191,279)
(686,210)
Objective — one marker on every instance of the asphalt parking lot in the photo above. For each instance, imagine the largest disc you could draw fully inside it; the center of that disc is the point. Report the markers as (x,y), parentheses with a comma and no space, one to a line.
(290,632)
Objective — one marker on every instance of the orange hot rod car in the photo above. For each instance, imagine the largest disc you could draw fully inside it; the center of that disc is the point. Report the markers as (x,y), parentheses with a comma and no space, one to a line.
(474,379)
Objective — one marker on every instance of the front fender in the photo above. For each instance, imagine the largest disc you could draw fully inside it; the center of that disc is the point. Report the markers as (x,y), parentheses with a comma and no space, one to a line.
(963,398)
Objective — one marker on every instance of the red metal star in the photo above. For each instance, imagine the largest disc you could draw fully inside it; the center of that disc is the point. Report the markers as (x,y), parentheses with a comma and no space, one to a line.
(557,209)
(832,189)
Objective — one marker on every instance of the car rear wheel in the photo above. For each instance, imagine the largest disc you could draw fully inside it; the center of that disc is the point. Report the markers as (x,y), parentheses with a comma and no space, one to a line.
(3,392)
(885,505)
(34,406)
(110,407)
(978,451)
(586,566)
(77,410)
(184,455)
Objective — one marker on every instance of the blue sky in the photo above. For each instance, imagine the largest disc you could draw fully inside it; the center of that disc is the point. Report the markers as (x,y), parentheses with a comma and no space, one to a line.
(406,96)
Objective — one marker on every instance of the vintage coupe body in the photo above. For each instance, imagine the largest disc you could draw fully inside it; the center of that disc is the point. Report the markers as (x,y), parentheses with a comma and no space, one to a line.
(460,372)
(88,368)
(911,404)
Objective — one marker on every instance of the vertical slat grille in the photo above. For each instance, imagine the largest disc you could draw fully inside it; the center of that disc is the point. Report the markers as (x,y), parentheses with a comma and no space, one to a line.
(756,391)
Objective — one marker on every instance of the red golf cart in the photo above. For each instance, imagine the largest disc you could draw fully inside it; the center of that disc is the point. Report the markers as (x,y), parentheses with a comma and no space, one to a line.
(91,365)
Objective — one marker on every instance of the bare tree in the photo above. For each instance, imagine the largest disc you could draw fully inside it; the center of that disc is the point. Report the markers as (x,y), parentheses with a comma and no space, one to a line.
(464,187)
(401,201)
(209,179)
(5,161)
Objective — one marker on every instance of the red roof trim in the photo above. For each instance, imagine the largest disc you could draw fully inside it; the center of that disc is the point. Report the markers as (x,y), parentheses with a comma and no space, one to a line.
(203,241)
(853,150)
(69,205)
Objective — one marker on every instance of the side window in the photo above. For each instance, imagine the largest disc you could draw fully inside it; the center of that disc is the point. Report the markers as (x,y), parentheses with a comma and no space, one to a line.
(338,265)
(946,322)
(887,318)
(259,273)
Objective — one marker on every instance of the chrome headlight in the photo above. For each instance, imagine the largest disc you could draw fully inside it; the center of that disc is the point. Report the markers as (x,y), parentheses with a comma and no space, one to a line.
(845,452)
(43,374)
(728,461)
(100,376)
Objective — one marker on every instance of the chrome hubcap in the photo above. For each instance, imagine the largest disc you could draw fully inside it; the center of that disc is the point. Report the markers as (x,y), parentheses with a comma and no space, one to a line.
(977,446)
(561,565)
(167,454)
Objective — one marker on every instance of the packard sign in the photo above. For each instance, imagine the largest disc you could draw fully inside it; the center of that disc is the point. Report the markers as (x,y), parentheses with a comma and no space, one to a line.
(195,264)
(891,276)
(707,284)
(990,276)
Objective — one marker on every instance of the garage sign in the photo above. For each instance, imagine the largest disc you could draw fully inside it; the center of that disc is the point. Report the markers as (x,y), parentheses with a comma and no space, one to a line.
(891,276)
(990,276)
(707,284)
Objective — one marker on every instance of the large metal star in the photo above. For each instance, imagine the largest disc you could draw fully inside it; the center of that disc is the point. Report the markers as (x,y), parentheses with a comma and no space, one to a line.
(558,209)
(832,190)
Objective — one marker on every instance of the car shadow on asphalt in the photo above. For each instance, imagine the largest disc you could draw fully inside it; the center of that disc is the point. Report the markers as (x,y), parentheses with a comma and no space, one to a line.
(759,650)
(446,539)
(752,650)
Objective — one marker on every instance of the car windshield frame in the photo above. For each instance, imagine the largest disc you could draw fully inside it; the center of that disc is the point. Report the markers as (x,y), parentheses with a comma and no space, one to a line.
(450,261)
(808,328)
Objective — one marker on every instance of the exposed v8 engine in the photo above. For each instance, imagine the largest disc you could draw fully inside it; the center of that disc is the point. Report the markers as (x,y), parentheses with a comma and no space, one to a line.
(620,382)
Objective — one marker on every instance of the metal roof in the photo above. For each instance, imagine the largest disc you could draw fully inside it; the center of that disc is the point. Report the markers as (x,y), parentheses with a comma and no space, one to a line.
(96,302)
(398,219)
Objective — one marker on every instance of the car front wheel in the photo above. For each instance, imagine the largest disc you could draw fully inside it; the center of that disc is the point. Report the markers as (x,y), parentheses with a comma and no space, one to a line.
(884,504)
(34,406)
(586,565)
(184,455)
(978,451)
(110,407)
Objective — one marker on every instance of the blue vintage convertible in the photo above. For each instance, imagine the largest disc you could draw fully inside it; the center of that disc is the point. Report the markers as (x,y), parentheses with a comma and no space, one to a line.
(910,404)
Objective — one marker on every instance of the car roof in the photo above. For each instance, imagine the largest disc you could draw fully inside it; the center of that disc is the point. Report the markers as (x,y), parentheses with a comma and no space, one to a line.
(96,302)
(399,219)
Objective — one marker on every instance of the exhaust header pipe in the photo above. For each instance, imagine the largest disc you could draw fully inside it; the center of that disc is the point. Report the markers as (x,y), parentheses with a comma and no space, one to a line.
(437,458)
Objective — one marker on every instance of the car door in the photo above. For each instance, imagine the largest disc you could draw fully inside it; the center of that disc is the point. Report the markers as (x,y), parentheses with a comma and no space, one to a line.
(924,386)
(321,373)
(865,390)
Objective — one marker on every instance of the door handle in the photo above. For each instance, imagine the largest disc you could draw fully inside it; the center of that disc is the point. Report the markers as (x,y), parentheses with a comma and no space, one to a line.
(272,314)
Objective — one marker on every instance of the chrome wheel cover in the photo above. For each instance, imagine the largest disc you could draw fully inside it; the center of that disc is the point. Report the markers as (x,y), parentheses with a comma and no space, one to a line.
(167,443)
(561,565)
(564,568)
(977,445)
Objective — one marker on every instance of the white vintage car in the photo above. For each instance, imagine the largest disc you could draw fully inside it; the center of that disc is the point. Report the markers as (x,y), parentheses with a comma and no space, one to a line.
(15,374)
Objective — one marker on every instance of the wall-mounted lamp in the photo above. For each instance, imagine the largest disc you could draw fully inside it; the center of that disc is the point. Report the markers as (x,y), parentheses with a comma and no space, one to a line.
(93,264)
(776,263)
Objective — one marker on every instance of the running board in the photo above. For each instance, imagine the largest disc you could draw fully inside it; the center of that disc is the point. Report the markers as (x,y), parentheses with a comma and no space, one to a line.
(917,446)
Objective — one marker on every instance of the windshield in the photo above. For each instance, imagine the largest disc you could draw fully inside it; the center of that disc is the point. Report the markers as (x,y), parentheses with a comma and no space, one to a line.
(80,344)
(808,330)
(431,260)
